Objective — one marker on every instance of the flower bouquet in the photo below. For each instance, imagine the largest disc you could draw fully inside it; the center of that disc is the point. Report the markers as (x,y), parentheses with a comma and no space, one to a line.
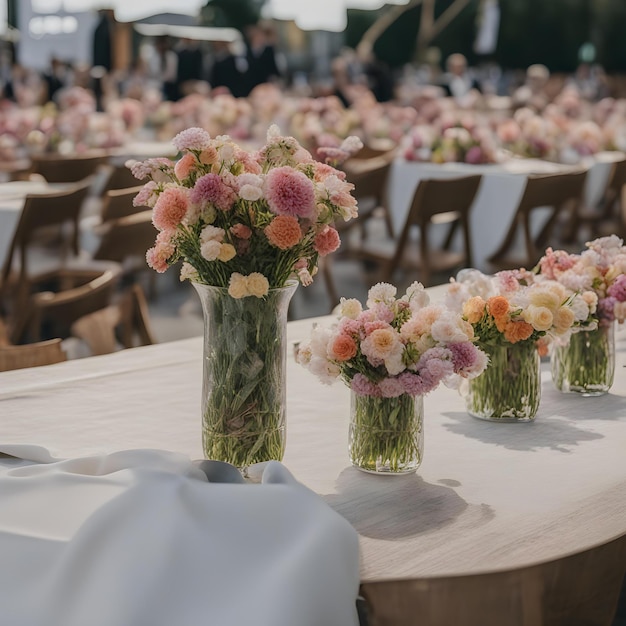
(510,315)
(248,227)
(586,363)
(390,355)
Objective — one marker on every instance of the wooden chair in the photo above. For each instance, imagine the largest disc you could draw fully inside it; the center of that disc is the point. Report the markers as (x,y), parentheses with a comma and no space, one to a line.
(125,241)
(62,297)
(118,324)
(578,590)
(119,203)
(120,178)
(31,355)
(62,169)
(369,177)
(39,212)
(437,202)
(559,193)
(606,216)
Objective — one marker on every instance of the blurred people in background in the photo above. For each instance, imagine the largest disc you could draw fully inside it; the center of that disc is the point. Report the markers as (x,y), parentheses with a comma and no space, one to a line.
(190,66)
(102,50)
(533,93)
(379,78)
(263,60)
(341,80)
(458,82)
(55,78)
(24,86)
(162,66)
(590,81)
(230,69)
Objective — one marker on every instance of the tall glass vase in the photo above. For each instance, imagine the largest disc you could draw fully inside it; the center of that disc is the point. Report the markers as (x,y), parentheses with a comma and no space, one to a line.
(586,365)
(244,375)
(386,434)
(509,389)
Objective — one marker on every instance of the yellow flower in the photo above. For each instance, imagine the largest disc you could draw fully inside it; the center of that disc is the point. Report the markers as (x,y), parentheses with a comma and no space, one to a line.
(539,317)
(546,298)
(563,319)
(473,309)
(238,286)
(227,252)
(257,284)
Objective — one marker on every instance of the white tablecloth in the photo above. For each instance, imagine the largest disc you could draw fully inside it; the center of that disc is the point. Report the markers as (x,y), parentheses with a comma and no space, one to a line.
(498,195)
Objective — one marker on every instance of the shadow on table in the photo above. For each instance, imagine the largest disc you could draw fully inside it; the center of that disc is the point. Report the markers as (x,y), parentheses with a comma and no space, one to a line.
(394,507)
(607,407)
(552,432)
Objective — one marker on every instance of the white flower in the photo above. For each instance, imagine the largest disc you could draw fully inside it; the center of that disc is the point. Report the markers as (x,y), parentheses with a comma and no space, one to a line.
(351,144)
(250,193)
(257,284)
(580,308)
(273,132)
(325,370)
(212,233)
(188,272)
(227,152)
(211,249)
(418,298)
(319,341)
(381,292)
(449,328)
(237,286)
(394,363)
(350,308)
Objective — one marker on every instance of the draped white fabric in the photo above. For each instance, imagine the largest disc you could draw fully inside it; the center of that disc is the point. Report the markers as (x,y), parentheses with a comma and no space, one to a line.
(141,538)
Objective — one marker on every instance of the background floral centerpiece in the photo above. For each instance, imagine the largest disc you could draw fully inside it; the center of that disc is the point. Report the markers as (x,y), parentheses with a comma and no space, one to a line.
(390,355)
(248,226)
(510,314)
(586,362)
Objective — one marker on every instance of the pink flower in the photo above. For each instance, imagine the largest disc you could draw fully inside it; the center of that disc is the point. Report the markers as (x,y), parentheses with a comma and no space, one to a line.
(211,188)
(383,312)
(250,164)
(185,166)
(163,249)
(142,169)
(192,139)
(241,231)
(364,387)
(170,208)
(413,384)
(474,155)
(326,241)
(146,195)
(370,327)
(290,192)
(323,171)
(349,326)
(391,387)
(618,289)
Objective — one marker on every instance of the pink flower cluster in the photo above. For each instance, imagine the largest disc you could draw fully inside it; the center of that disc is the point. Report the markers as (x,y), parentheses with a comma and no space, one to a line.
(600,269)
(227,212)
(394,346)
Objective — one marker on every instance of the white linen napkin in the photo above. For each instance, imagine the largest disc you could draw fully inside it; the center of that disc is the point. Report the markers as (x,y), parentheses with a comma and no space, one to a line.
(141,538)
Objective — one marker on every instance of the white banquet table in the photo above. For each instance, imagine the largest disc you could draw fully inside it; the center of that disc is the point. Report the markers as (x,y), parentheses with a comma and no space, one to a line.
(487,498)
(498,195)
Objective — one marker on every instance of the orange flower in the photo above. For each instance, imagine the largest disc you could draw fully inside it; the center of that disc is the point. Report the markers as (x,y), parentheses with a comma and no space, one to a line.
(283,232)
(473,309)
(498,307)
(517,331)
(343,348)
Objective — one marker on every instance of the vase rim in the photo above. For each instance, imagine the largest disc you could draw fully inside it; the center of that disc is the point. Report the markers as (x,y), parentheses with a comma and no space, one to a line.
(291,284)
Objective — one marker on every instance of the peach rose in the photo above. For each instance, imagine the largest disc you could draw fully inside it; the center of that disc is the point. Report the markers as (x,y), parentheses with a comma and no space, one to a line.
(539,317)
(343,348)
(473,309)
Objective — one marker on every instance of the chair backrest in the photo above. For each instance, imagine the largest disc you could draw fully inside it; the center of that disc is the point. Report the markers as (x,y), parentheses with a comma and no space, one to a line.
(54,311)
(439,201)
(555,191)
(126,319)
(128,236)
(61,169)
(43,210)
(119,203)
(31,355)
(369,178)
(120,178)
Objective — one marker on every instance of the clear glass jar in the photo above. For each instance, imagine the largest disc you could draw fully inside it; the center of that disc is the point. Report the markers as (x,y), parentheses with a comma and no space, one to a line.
(244,375)
(509,390)
(585,365)
(386,434)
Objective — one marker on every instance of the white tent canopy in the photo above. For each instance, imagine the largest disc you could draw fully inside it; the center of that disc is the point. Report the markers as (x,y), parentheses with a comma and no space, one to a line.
(320,14)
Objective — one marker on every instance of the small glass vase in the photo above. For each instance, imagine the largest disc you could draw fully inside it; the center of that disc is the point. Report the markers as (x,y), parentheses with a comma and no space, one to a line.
(244,375)
(509,390)
(586,365)
(386,434)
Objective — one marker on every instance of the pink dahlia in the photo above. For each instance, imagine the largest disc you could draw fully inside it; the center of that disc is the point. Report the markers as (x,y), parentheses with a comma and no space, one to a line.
(170,208)
(211,188)
(290,192)
(326,241)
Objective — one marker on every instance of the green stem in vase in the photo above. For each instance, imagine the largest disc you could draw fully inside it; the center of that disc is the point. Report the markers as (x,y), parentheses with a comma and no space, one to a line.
(586,364)
(386,433)
(510,388)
